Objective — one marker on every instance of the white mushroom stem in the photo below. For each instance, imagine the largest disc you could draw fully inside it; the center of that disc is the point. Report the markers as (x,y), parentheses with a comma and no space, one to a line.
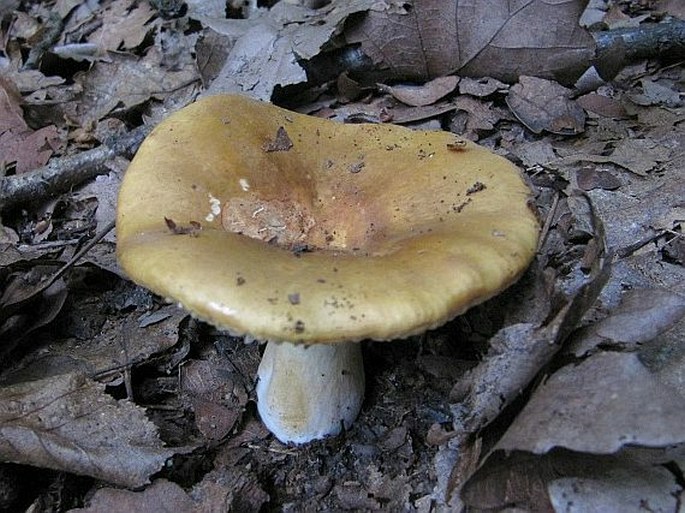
(309,392)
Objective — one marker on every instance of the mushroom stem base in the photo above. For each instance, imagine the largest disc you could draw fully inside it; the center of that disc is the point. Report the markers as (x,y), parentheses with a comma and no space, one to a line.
(309,392)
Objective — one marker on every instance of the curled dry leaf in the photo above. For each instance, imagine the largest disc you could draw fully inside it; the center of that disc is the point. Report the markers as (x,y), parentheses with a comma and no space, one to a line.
(69,423)
(621,486)
(422,95)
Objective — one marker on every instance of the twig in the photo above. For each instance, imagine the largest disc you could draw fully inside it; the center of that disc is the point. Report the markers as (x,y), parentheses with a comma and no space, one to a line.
(59,175)
(615,49)
(50,35)
(548,223)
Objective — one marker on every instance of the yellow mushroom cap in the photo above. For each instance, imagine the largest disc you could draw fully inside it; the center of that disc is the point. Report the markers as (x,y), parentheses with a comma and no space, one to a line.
(293,228)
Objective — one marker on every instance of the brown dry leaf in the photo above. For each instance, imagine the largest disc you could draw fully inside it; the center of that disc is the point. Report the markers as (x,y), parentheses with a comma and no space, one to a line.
(638,156)
(602,105)
(599,406)
(518,480)
(588,178)
(422,95)
(69,423)
(111,347)
(280,142)
(19,320)
(11,115)
(615,18)
(19,145)
(217,400)
(229,488)
(402,114)
(162,497)
(642,316)
(431,38)
(545,105)
(481,87)
(125,23)
(481,116)
(574,483)
(28,150)
(270,45)
(127,81)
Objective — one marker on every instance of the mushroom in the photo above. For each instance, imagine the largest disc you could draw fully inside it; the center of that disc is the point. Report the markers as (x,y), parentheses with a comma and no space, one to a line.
(314,235)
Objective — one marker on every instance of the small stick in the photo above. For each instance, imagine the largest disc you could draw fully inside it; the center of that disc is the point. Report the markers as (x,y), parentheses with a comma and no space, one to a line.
(61,174)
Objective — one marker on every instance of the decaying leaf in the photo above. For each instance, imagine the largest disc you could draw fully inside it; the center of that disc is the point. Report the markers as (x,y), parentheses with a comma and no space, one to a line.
(426,94)
(642,316)
(570,482)
(603,106)
(588,178)
(19,145)
(163,496)
(69,423)
(130,81)
(615,486)
(229,488)
(270,45)
(478,116)
(490,38)
(545,105)
(481,87)
(599,406)
(124,25)
(280,142)
(216,399)
(38,311)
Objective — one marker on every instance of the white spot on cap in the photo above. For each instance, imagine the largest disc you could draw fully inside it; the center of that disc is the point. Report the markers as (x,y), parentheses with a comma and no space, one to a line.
(214,208)
(244,184)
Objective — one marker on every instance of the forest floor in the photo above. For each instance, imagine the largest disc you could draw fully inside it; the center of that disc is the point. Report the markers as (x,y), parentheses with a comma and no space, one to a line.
(570,382)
